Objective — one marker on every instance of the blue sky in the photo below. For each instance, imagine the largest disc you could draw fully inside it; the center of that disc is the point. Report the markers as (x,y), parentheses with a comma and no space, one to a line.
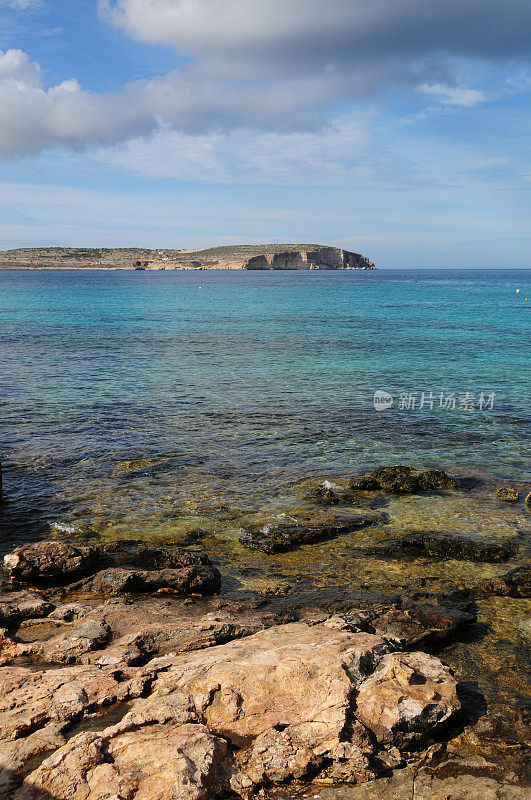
(400,130)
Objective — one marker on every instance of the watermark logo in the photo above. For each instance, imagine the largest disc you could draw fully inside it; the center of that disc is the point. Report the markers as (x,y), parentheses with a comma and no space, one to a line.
(448,401)
(382,400)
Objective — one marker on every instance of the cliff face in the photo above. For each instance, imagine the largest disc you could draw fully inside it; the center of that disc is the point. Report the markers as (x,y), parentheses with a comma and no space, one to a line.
(252,257)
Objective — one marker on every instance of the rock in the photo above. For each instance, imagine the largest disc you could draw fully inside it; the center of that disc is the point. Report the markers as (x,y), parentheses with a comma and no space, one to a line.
(413,783)
(50,562)
(283,698)
(136,554)
(31,698)
(438,545)
(159,762)
(404,480)
(405,701)
(508,493)
(8,648)
(515,583)
(418,624)
(282,695)
(16,606)
(67,647)
(152,626)
(188,580)
(333,493)
(280,532)
(70,612)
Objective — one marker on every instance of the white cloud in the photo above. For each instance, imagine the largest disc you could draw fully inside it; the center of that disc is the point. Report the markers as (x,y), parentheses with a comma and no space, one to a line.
(34,118)
(453,95)
(284,66)
(334,156)
(20,5)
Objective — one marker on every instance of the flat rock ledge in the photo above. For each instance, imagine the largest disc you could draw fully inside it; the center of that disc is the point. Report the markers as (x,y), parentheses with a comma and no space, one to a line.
(136,682)
(290,701)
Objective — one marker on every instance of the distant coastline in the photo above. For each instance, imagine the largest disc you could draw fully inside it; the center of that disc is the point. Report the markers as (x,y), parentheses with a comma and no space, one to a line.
(246,257)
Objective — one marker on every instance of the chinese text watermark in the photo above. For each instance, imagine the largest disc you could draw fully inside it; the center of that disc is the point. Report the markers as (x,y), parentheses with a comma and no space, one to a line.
(448,401)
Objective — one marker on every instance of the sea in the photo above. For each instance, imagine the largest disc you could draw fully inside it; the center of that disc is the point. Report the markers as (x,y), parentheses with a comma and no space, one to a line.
(132,401)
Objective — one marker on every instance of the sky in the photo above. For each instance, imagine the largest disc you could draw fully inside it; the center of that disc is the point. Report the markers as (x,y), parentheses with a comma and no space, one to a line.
(398,129)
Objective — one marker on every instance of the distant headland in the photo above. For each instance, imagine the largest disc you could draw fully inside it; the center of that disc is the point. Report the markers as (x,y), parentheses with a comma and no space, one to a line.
(248,256)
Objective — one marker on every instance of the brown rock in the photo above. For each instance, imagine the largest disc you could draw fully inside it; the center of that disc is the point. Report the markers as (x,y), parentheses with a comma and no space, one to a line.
(188,580)
(29,699)
(404,480)
(8,648)
(508,493)
(515,583)
(419,623)
(50,562)
(16,606)
(439,545)
(280,532)
(412,783)
(407,698)
(159,762)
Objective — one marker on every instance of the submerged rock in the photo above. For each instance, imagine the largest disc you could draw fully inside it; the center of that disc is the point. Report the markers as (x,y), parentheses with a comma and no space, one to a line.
(279,532)
(515,583)
(418,623)
(438,545)
(50,561)
(145,557)
(414,783)
(404,480)
(508,493)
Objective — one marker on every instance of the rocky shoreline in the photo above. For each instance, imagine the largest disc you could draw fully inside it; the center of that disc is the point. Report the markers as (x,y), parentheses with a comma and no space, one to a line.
(132,670)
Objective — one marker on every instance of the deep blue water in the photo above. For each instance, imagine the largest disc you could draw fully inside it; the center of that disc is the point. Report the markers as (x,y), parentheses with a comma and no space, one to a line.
(250,374)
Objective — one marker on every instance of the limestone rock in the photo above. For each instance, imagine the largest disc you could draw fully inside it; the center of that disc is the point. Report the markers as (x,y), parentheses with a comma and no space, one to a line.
(16,606)
(407,698)
(8,648)
(440,545)
(50,561)
(159,762)
(187,580)
(412,783)
(65,648)
(29,699)
(145,557)
(280,532)
(404,480)
(419,623)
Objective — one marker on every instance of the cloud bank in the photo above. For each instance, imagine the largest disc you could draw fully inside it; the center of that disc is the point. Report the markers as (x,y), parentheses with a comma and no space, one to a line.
(278,66)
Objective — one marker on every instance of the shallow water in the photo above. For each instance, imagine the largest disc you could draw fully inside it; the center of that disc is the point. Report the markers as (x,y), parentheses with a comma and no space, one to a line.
(125,395)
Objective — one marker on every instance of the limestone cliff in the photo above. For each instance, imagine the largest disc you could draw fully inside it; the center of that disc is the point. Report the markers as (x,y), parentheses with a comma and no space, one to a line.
(251,257)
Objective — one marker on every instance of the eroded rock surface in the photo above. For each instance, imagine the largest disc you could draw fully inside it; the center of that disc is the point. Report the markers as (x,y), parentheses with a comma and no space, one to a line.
(276,533)
(404,480)
(438,545)
(265,708)
(159,762)
(45,562)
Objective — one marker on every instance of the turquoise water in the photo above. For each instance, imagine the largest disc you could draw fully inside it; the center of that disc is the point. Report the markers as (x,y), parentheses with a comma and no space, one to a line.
(246,378)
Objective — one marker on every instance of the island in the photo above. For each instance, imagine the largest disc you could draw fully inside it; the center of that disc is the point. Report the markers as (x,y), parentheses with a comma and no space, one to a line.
(249,256)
